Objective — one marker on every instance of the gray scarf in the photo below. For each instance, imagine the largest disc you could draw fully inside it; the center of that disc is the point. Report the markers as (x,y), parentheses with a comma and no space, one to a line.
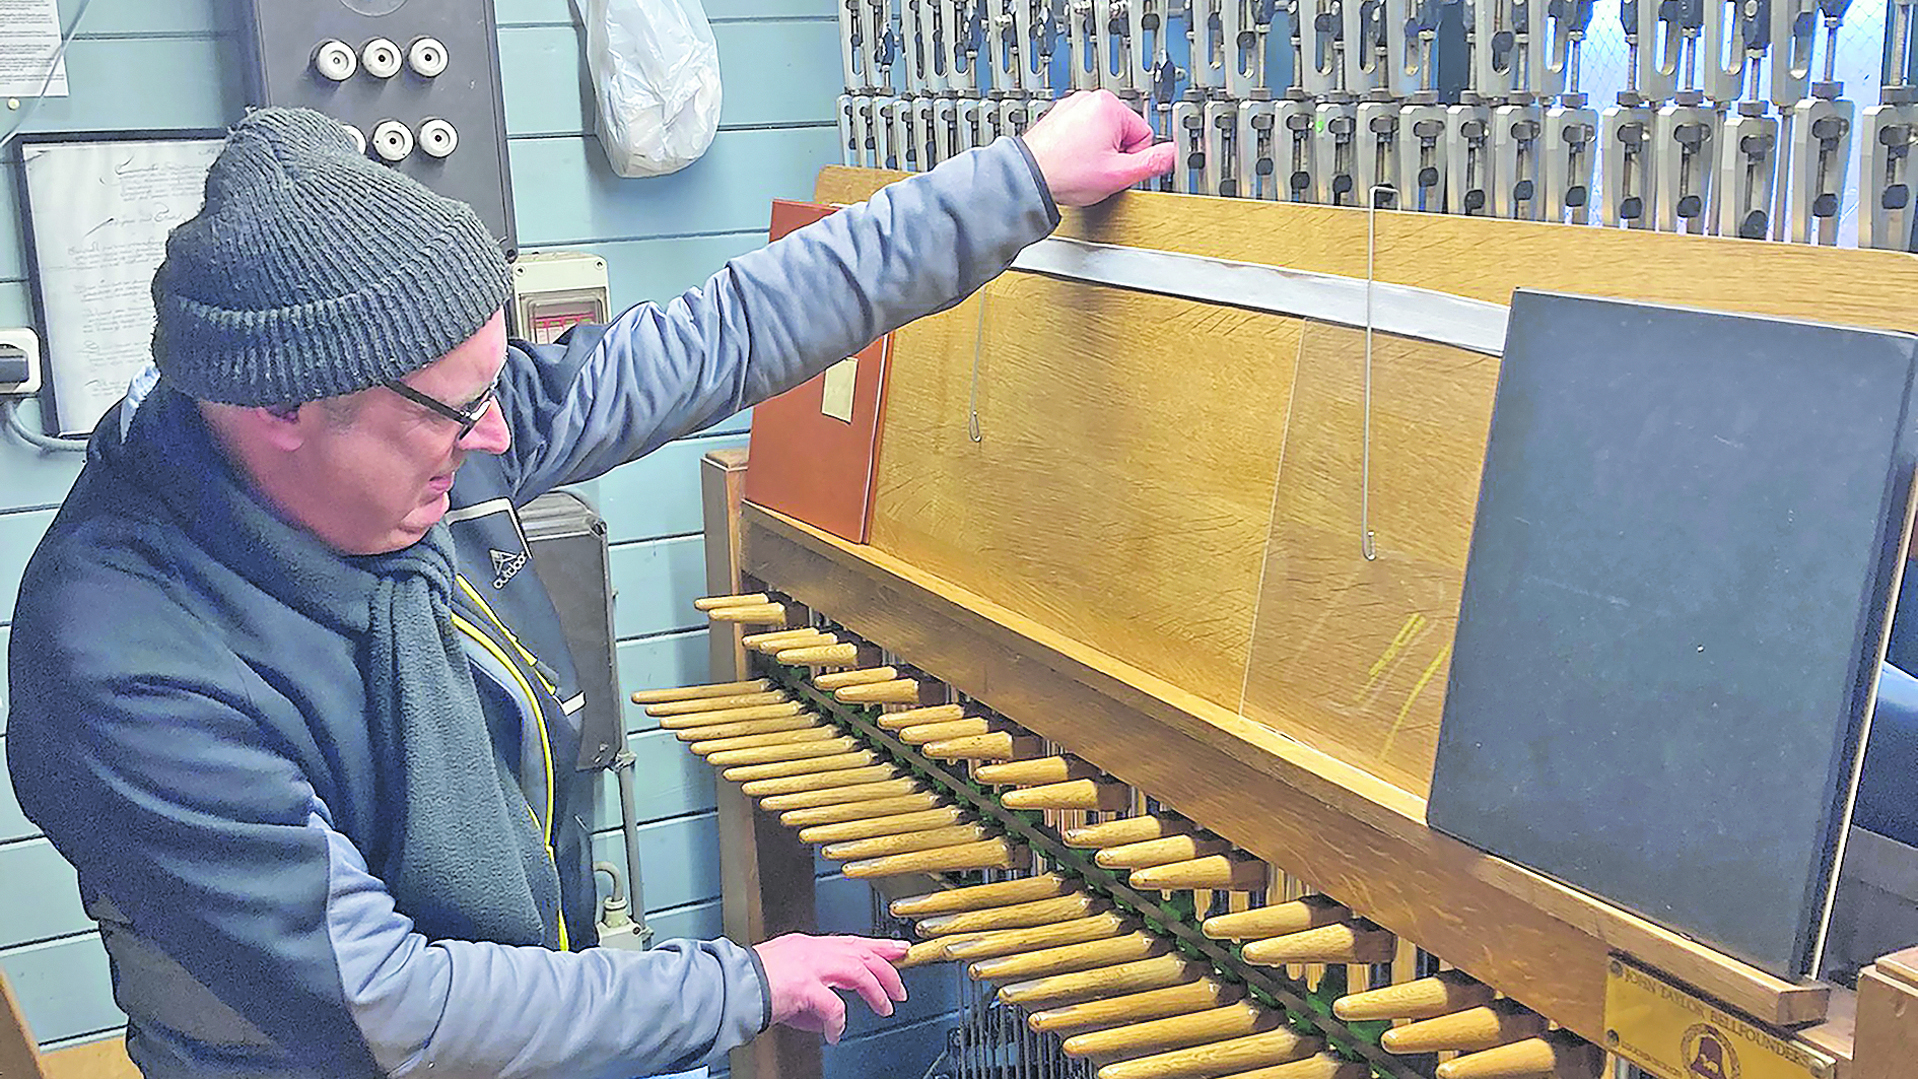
(458,846)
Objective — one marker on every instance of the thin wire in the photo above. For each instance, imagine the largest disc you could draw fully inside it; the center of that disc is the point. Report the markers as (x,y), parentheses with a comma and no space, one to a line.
(53,68)
(978,344)
(35,438)
(1367,544)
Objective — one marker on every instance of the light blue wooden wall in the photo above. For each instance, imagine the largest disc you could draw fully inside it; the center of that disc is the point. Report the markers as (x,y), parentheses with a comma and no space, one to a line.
(780,63)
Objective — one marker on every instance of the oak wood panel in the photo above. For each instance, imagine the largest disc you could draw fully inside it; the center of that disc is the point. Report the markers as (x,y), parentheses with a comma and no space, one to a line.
(1360,839)
(1169,491)
(1351,654)
(1131,443)
(1887,1031)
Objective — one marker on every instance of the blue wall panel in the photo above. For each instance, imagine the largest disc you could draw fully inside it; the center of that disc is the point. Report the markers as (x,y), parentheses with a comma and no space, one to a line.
(680,859)
(669,659)
(145,17)
(112,86)
(57,984)
(657,582)
(577,198)
(658,495)
(5,633)
(13,824)
(20,532)
(668,781)
(38,480)
(39,896)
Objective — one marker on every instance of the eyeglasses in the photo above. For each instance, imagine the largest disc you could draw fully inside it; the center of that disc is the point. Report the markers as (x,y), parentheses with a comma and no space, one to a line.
(467,417)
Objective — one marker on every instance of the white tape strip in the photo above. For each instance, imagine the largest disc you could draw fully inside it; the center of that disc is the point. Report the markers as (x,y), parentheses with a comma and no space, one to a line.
(1401,310)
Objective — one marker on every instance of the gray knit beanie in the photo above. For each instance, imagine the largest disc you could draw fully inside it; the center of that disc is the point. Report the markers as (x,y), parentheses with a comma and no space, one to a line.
(313,271)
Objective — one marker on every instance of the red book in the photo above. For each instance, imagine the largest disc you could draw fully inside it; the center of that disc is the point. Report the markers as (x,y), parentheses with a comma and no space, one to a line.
(814,448)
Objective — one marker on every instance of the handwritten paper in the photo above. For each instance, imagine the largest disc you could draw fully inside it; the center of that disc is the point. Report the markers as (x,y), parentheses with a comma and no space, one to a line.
(100,214)
(29,42)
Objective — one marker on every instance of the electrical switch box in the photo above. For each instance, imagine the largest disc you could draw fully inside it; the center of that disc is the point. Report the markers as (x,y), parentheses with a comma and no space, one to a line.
(553,291)
(415,82)
(19,363)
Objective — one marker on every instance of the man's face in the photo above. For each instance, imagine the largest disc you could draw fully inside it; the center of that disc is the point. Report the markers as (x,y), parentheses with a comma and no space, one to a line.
(370,474)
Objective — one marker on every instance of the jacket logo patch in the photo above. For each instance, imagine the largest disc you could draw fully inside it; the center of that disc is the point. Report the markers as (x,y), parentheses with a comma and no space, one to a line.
(505,566)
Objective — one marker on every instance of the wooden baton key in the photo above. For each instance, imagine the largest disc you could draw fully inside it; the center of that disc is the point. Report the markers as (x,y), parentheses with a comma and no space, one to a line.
(1151,852)
(716,704)
(870,827)
(847,791)
(913,717)
(1115,833)
(1000,853)
(1485,1027)
(1092,795)
(891,691)
(994,746)
(768,643)
(1316,1066)
(1346,942)
(920,733)
(1157,1035)
(1001,942)
(708,746)
(838,680)
(772,754)
(732,715)
(825,655)
(750,614)
(711,602)
(1276,920)
(1034,773)
(926,951)
(1222,872)
(1253,1051)
(1206,993)
(1557,1055)
(858,812)
(691,693)
(711,731)
(906,842)
(1442,994)
(1017,916)
(805,766)
(980,896)
(1070,957)
(822,783)
(1137,976)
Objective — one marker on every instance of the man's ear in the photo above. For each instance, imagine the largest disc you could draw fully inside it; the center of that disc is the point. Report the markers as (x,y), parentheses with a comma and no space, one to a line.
(279,427)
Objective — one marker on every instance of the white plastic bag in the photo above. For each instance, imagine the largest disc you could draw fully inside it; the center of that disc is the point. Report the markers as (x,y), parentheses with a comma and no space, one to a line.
(655,72)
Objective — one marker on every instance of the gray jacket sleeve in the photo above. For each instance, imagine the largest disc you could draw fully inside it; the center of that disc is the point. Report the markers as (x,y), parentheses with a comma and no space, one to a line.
(770,319)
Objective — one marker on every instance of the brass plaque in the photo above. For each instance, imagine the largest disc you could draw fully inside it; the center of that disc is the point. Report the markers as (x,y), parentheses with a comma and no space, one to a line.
(1672,1034)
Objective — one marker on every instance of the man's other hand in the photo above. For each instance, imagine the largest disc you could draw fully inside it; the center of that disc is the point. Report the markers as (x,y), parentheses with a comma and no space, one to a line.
(1090,146)
(804,970)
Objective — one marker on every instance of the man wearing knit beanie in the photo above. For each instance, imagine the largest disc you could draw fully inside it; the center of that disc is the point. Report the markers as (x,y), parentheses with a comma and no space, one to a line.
(280,690)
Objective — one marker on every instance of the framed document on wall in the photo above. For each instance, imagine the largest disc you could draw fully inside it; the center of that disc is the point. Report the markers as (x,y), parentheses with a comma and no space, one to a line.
(98,210)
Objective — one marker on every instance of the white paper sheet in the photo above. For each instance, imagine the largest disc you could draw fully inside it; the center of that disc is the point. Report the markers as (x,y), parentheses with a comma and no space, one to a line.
(29,40)
(100,214)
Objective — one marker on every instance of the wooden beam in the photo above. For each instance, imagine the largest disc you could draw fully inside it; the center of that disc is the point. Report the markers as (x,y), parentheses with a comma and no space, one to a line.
(18,1053)
(766,874)
(1361,840)
(1886,1040)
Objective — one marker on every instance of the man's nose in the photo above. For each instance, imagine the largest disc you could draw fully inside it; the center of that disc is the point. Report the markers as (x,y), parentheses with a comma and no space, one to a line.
(490,434)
